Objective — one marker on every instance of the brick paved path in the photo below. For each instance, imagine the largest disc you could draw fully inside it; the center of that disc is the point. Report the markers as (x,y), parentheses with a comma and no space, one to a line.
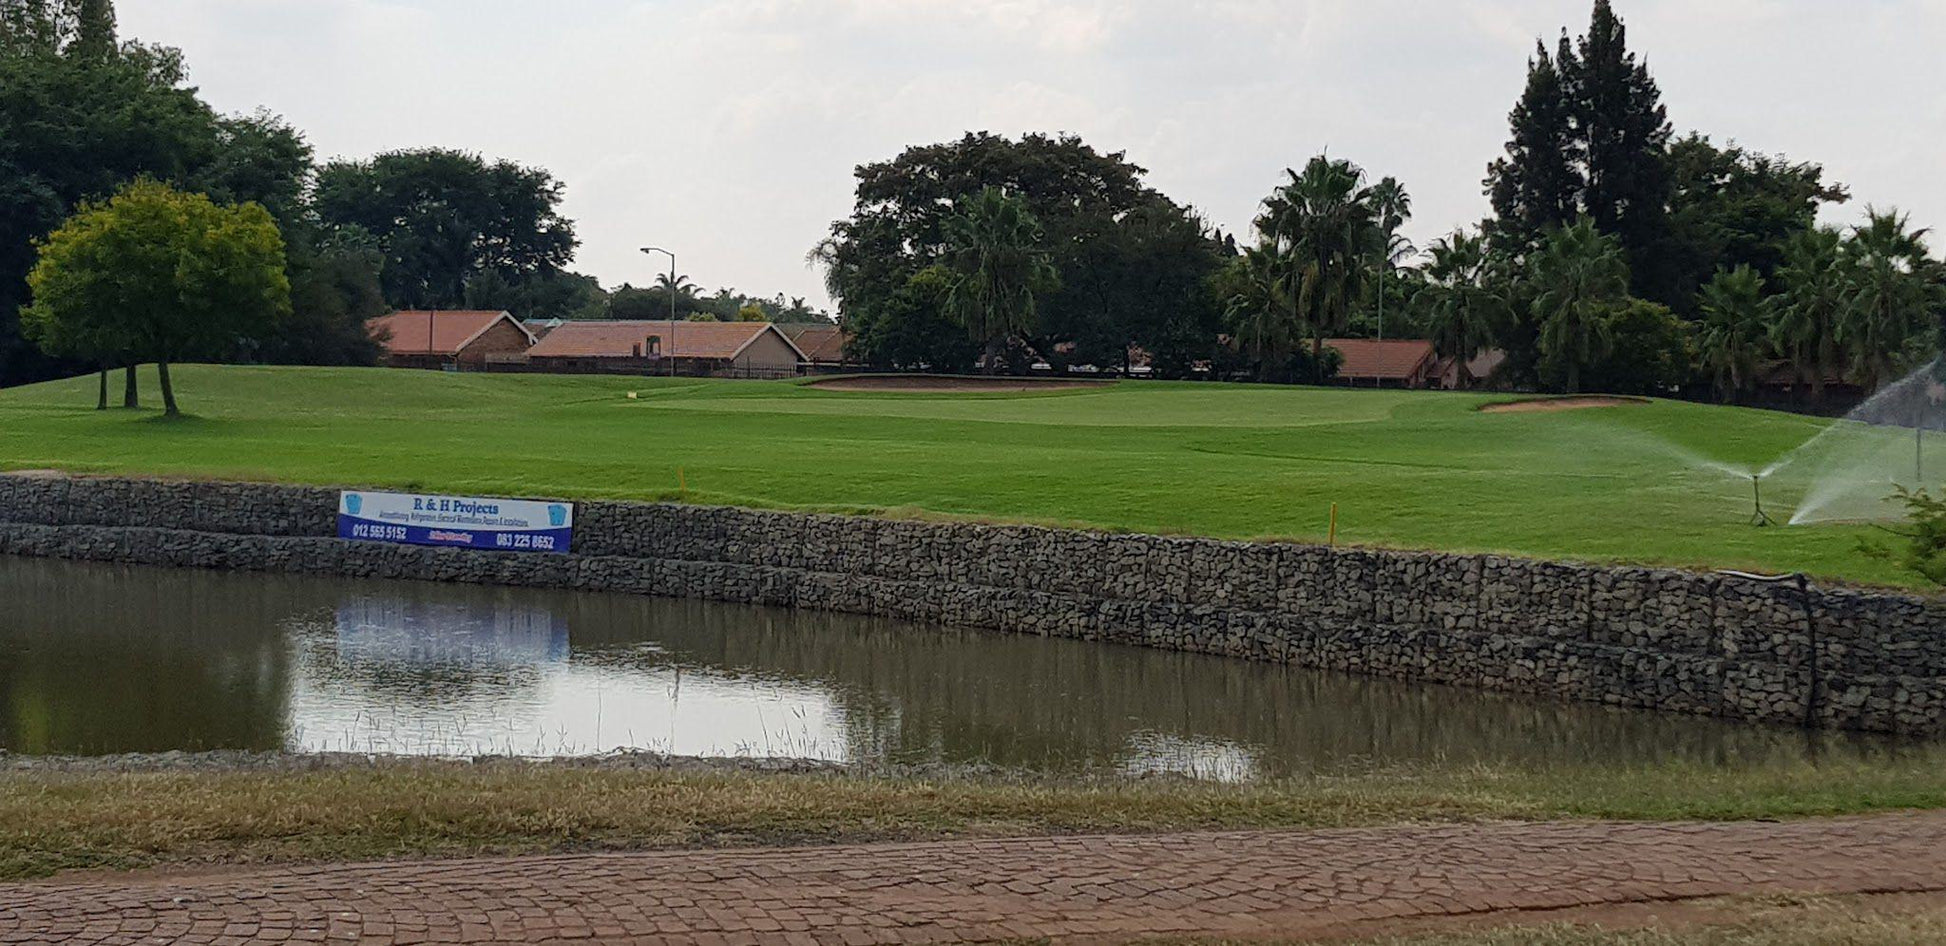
(1091,888)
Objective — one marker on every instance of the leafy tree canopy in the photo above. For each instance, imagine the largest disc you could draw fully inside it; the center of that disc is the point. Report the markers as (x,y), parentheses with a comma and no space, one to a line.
(80,115)
(1732,207)
(1590,136)
(1100,222)
(158,275)
(443,218)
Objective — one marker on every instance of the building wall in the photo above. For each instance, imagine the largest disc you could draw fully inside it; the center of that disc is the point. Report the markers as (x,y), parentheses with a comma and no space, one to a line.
(502,338)
(1655,639)
(641,367)
(768,356)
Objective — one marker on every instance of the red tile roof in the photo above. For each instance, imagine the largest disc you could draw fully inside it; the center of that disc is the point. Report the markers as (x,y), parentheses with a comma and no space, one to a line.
(706,340)
(432,333)
(1386,361)
(822,344)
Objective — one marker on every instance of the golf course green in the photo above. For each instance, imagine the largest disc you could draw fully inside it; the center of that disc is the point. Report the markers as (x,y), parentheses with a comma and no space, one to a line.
(1650,482)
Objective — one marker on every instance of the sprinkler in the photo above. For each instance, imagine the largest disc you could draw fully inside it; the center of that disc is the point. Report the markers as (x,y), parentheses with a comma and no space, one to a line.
(1762,518)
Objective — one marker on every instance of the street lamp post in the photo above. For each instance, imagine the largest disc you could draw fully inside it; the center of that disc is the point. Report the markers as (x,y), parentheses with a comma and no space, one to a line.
(652,250)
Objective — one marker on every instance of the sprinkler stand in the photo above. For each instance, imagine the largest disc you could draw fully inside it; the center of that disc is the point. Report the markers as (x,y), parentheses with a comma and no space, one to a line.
(1762,518)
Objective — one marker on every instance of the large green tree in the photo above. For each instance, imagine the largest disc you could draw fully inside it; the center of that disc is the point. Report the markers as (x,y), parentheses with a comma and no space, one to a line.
(1000,270)
(334,293)
(1119,239)
(443,218)
(1590,136)
(157,275)
(1537,186)
(1649,351)
(1625,132)
(1731,207)
(80,114)
(1139,279)
(1580,278)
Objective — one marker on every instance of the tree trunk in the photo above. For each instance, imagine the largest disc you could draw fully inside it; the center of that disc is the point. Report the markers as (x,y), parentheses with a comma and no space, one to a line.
(168,391)
(1317,359)
(130,399)
(101,399)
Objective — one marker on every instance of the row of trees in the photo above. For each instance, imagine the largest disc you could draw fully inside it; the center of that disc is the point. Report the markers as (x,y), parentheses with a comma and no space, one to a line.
(84,113)
(1618,256)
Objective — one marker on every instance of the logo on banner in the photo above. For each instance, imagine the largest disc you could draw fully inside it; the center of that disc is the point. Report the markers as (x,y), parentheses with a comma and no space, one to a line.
(353,503)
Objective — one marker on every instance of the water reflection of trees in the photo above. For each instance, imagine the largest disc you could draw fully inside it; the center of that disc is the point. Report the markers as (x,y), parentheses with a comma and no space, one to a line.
(917,695)
(98,658)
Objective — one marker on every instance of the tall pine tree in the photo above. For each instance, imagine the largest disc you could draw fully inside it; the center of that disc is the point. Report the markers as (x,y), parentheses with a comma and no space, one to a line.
(78,29)
(1624,132)
(1590,135)
(1537,186)
(94,29)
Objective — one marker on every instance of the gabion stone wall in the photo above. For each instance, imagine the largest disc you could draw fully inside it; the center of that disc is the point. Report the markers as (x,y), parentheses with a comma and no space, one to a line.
(1657,639)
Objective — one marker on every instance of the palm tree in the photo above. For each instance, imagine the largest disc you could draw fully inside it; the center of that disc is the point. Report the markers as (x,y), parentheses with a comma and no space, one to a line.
(683,294)
(1735,332)
(1579,277)
(1393,207)
(1324,224)
(1807,318)
(1890,295)
(994,250)
(1463,310)
(1258,309)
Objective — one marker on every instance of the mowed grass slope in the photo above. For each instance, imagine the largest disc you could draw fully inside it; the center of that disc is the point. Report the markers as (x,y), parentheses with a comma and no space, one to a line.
(1407,469)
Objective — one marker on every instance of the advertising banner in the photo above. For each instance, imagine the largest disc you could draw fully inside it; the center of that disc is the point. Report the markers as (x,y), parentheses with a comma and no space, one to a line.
(498,525)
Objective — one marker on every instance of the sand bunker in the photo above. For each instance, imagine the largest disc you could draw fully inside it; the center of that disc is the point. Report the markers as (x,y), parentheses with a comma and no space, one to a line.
(1548,405)
(915,384)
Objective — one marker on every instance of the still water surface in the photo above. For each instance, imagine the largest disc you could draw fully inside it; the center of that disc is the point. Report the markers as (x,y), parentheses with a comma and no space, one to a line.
(98,659)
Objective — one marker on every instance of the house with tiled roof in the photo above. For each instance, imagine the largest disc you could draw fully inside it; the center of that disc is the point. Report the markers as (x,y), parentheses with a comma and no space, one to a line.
(1396,363)
(699,349)
(823,345)
(451,340)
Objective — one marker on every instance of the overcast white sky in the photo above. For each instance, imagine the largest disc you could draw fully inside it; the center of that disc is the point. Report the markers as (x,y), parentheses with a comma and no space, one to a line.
(728,130)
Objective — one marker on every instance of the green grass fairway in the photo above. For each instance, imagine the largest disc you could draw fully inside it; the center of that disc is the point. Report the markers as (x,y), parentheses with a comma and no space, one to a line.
(1408,469)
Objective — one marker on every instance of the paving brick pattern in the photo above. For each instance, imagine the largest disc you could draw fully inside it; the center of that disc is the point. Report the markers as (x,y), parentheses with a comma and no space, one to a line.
(1088,888)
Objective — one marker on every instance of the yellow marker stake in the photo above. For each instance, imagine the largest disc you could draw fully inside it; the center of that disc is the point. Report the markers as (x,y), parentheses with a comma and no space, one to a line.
(1334,525)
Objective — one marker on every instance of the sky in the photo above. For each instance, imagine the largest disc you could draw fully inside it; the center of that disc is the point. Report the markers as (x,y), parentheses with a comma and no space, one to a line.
(728,130)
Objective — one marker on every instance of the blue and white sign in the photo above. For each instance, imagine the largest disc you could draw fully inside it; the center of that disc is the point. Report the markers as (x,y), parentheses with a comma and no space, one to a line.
(501,525)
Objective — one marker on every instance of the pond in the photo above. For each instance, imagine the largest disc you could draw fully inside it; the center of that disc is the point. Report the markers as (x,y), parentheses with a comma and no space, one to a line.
(98,659)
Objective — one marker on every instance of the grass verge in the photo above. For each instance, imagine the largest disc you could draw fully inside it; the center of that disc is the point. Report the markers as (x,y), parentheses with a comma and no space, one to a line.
(54,820)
